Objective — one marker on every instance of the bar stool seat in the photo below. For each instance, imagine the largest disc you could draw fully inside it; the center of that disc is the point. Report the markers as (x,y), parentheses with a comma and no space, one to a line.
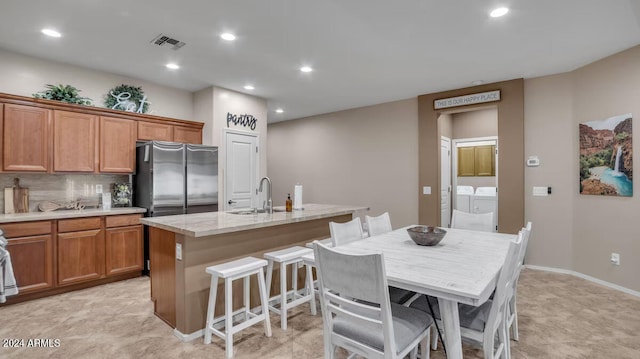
(240,268)
(285,257)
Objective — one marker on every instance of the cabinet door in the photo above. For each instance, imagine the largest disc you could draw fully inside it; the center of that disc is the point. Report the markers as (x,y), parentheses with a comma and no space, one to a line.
(80,256)
(187,135)
(466,160)
(484,159)
(74,142)
(26,138)
(117,145)
(154,131)
(124,249)
(32,262)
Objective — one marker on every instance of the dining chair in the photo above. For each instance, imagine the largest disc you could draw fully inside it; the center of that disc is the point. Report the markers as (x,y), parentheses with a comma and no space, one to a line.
(370,326)
(381,225)
(512,310)
(481,325)
(343,233)
(472,221)
(378,225)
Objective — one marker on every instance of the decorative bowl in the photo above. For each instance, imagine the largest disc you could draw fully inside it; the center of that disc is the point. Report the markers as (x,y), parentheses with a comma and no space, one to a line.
(426,235)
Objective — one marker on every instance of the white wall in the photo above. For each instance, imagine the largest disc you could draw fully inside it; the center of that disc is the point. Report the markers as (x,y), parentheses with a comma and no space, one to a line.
(365,156)
(24,75)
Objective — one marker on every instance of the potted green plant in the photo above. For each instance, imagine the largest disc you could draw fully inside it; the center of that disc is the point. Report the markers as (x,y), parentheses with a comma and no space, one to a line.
(64,93)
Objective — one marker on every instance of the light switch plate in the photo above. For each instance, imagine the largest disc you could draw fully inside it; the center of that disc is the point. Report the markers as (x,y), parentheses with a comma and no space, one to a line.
(98,188)
(540,191)
(426,190)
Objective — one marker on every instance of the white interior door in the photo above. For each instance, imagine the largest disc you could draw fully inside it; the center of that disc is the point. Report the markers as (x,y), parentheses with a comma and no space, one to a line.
(241,176)
(445,181)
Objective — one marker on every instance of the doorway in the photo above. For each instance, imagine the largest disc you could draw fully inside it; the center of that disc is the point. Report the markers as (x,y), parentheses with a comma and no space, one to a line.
(242,169)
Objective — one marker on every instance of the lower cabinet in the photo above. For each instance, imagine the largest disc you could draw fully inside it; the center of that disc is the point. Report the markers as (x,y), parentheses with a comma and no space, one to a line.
(48,256)
(31,247)
(124,249)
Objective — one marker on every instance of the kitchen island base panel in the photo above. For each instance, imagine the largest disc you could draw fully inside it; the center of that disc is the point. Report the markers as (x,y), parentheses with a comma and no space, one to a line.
(191,292)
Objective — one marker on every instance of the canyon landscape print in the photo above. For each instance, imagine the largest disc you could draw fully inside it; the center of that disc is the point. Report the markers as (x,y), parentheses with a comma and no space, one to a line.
(606,157)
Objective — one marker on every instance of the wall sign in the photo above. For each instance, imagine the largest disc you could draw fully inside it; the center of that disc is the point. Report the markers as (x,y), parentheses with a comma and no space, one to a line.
(242,120)
(467,99)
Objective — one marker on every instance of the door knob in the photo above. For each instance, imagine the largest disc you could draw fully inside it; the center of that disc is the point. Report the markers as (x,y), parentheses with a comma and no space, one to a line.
(231,201)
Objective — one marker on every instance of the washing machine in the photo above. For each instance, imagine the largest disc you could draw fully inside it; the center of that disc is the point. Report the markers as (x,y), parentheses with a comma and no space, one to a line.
(484,201)
(464,195)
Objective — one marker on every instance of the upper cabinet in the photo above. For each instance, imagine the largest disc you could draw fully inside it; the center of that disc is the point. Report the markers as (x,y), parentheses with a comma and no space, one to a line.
(475,161)
(117,145)
(187,135)
(55,137)
(25,134)
(74,142)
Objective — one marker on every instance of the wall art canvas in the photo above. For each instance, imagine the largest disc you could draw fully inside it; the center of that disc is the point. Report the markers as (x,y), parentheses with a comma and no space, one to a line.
(606,157)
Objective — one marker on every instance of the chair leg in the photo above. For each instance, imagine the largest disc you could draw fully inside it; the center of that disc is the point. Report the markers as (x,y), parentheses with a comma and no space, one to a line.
(514,314)
(283,296)
(269,278)
(425,352)
(413,354)
(434,338)
(247,298)
(228,315)
(264,300)
(310,290)
(211,308)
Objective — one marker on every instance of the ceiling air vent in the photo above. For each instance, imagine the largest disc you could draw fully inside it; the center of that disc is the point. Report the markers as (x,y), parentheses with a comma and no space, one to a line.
(162,40)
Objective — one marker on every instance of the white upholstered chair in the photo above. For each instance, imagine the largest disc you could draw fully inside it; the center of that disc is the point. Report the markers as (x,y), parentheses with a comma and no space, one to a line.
(378,225)
(370,326)
(472,221)
(512,310)
(484,324)
(343,233)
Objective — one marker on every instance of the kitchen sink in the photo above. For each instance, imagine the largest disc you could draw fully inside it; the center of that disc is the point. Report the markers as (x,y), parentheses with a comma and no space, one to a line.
(254,211)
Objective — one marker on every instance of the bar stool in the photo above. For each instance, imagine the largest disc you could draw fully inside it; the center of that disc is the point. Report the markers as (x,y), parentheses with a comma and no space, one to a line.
(241,268)
(285,257)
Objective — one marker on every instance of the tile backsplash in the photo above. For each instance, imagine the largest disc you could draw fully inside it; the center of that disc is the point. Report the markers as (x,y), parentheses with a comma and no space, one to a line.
(59,187)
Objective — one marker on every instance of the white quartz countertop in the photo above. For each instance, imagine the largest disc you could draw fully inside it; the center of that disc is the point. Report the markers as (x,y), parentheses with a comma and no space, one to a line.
(210,223)
(70,213)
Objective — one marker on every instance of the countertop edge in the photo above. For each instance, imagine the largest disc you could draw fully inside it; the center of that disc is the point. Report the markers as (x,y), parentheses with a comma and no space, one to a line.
(64,214)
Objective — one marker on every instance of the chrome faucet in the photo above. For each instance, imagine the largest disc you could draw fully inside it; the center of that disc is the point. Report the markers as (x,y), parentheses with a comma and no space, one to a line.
(269,204)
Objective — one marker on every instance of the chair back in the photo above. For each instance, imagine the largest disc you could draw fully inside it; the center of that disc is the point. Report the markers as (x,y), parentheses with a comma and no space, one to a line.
(472,221)
(505,280)
(343,233)
(345,277)
(378,225)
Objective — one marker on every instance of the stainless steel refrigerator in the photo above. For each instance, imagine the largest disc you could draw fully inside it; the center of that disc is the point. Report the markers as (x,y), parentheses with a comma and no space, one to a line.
(175,178)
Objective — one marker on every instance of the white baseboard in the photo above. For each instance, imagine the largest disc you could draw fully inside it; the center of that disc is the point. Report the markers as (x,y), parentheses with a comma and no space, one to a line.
(188,337)
(584,276)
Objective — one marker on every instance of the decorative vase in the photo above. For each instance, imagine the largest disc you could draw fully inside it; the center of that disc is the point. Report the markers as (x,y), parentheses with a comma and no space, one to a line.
(121,194)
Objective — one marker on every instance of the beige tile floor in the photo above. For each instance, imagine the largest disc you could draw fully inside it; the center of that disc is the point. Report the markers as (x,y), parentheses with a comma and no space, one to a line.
(561,316)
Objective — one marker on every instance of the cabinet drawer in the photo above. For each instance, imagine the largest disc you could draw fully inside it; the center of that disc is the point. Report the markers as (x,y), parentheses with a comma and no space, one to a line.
(123,220)
(24,229)
(78,224)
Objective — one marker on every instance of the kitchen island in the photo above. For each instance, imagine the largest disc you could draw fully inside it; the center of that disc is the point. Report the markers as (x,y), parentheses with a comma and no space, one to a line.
(182,246)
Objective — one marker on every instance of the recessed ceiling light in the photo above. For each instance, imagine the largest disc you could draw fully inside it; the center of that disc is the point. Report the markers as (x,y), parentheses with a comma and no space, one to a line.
(499,12)
(249,87)
(477,82)
(228,36)
(172,66)
(306,69)
(51,32)
(279,110)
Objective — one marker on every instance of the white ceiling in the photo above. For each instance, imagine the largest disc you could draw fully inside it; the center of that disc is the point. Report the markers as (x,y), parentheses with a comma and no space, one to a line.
(363,51)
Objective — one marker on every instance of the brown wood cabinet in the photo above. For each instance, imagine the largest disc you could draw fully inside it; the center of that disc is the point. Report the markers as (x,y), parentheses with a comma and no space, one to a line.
(26,139)
(154,131)
(31,248)
(117,145)
(476,161)
(80,244)
(38,135)
(74,142)
(187,135)
(124,249)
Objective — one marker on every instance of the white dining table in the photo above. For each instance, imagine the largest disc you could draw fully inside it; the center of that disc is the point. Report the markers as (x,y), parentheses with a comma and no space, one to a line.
(462,268)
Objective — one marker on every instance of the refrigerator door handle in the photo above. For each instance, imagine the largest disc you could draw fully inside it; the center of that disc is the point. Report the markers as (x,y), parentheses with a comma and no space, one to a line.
(231,201)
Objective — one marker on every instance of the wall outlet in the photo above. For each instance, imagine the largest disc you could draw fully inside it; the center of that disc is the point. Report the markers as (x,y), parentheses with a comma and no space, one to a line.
(98,188)
(179,251)
(615,258)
